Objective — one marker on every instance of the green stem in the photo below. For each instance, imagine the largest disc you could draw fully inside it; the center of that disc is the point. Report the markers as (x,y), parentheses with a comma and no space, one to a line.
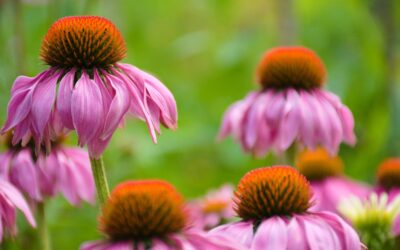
(44,241)
(100,179)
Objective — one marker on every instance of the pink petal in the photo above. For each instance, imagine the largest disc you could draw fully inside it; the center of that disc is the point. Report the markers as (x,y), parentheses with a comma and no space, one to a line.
(107,245)
(296,233)
(319,234)
(64,98)
(348,236)
(138,99)
(24,174)
(163,98)
(307,121)
(241,232)
(289,125)
(19,107)
(160,245)
(87,109)
(43,102)
(271,234)
(119,106)
(215,242)
(17,199)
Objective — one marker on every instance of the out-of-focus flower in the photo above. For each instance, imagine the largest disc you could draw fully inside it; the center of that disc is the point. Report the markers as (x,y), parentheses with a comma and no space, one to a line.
(273,203)
(86,89)
(388,177)
(150,214)
(11,200)
(214,209)
(65,170)
(291,106)
(329,185)
(374,219)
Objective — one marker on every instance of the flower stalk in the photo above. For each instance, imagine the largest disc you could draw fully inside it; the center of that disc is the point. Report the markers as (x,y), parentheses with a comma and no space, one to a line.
(100,179)
(43,235)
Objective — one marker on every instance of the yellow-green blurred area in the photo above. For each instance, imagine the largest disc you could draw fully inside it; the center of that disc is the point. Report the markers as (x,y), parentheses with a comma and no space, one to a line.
(205,52)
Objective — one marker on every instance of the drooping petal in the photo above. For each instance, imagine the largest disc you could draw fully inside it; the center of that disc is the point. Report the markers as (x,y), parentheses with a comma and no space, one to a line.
(24,174)
(308,121)
(119,106)
(87,109)
(64,98)
(271,234)
(16,198)
(42,102)
(297,239)
(138,107)
(233,118)
(289,125)
(214,242)
(48,170)
(163,98)
(238,231)
(81,170)
(107,245)
(5,160)
(347,235)
(319,235)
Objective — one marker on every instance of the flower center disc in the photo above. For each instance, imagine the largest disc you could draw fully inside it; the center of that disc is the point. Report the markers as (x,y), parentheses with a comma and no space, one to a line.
(141,210)
(318,164)
(83,42)
(291,67)
(270,191)
(388,174)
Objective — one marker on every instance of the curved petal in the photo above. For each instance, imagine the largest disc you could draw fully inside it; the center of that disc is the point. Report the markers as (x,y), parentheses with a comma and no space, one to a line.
(64,99)
(135,86)
(16,198)
(106,245)
(214,242)
(118,107)
(163,98)
(24,174)
(319,235)
(43,101)
(289,125)
(296,233)
(348,236)
(233,118)
(87,109)
(241,232)
(20,102)
(80,165)
(271,234)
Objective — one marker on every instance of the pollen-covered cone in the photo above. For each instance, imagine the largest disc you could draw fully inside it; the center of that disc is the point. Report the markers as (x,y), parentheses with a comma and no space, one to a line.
(11,200)
(86,89)
(290,107)
(65,170)
(273,203)
(327,179)
(151,214)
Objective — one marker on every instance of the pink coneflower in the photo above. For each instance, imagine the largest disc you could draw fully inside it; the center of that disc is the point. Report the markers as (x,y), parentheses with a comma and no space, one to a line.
(86,89)
(388,181)
(65,170)
(388,178)
(291,106)
(214,209)
(150,215)
(10,200)
(273,203)
(328,182)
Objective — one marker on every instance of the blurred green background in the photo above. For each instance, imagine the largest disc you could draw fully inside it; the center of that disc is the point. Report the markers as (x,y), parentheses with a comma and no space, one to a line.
(205,51)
